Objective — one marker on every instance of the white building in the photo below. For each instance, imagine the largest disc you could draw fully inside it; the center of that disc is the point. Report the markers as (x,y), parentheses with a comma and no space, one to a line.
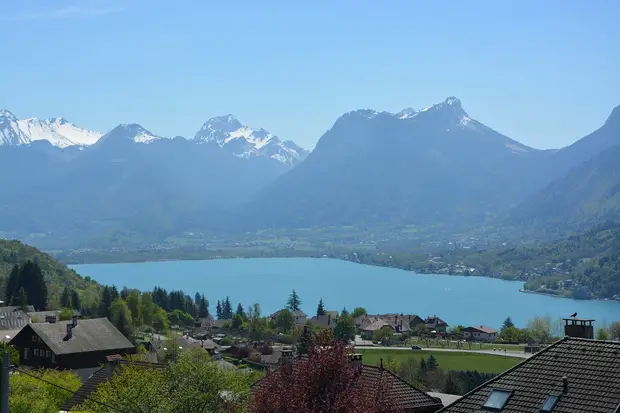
(480,333)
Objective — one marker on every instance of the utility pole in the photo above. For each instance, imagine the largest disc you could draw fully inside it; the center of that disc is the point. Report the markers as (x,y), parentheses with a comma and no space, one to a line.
(6,368)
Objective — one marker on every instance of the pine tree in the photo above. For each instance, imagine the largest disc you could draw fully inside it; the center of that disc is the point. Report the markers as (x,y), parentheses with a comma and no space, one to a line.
(22,299)
(191,307)
(105,302)
(344,312)
(75,300)
(65,298)
(12,284)
(240,312)
(294,302)
(218,310)
(227,312)
(197,299)
(320,309)
(203,308)
(507,324)
(304,341)
(33,281)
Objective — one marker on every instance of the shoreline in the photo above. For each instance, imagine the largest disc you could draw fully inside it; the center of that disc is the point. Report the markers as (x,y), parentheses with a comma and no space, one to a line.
(316,256)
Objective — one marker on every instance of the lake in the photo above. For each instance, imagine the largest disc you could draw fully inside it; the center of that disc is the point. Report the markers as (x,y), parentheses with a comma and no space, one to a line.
(269,281)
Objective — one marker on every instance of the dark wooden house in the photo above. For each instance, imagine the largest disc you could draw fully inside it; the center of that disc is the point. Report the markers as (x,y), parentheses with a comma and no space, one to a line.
(74,344)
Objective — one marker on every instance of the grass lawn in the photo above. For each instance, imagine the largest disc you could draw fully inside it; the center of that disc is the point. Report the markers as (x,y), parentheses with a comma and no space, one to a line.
(467,346)
(484,363)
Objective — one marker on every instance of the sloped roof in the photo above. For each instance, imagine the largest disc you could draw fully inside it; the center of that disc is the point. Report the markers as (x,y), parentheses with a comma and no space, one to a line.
(12,318)
(483,329)
(592,369)
(403,395)
(375,325)
(40,315)
(95,334)
(296,313)
(99,377)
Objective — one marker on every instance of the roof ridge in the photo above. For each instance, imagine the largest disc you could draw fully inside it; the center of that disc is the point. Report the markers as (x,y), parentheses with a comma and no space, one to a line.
(510,370)
(402,380)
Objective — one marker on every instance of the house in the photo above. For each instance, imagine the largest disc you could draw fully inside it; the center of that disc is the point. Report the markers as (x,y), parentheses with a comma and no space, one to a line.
(45,316)
(12,320)
(436,324)
(188,342)
(400,322)
(574,374)
(101,375)
(368,330)
(300,316)
(327,320)
(480,333)
(70,344)
(403,396)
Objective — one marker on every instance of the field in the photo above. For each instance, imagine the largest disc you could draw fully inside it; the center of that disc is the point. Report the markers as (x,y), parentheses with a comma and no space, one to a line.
(426,343)
(484,363)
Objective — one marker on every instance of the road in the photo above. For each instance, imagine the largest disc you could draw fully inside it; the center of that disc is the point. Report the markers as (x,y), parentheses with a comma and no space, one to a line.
(449,350)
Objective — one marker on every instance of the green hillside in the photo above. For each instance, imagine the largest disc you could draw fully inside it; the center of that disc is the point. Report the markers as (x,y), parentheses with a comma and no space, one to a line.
(56,274)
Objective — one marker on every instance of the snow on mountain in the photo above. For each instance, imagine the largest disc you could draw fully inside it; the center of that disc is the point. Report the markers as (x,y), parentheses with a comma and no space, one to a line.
(58,132)
(132,132)
(10,133)
(244,142)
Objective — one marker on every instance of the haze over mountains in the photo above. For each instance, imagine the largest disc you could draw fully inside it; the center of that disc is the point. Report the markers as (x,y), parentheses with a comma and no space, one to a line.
(432,167)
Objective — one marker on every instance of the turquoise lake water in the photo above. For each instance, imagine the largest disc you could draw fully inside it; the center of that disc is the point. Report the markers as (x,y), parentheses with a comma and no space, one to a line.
(268,281)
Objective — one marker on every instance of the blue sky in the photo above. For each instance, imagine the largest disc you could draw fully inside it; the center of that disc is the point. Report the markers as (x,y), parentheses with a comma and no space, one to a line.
(542,72)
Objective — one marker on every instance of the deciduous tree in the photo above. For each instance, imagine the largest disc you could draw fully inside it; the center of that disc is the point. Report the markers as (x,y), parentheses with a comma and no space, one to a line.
(324,381)
(358,311)
(120,316)
(345,329)
(285,321)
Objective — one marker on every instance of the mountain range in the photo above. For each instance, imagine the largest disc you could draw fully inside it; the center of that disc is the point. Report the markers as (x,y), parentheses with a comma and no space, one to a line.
(432,168)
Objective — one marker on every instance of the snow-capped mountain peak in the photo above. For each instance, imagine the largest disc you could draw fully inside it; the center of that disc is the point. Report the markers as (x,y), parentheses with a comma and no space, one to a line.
(58,131)
(450,108)
(245,142)
(10,133)
(132,132)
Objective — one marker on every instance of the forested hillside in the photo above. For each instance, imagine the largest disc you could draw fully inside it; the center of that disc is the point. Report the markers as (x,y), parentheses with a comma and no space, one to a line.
(581,265)
(57,275)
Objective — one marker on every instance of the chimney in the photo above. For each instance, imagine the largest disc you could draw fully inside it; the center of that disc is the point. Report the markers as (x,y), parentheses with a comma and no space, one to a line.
(355,359)
(111,365)
(287,360)
(564,385)
(329,320)
(69,331)
(74,320)
(579,328)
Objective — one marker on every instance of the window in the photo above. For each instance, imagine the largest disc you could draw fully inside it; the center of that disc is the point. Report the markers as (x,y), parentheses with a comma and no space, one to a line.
(550,403)
(47,353)
(26,350)
(497,399)
(36,351)
(34,338)
(53,358)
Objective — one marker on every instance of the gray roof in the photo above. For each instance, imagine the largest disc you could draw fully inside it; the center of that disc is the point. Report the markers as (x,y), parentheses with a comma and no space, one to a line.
(40,315)
(95,334)
(592,381)
(12,318)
